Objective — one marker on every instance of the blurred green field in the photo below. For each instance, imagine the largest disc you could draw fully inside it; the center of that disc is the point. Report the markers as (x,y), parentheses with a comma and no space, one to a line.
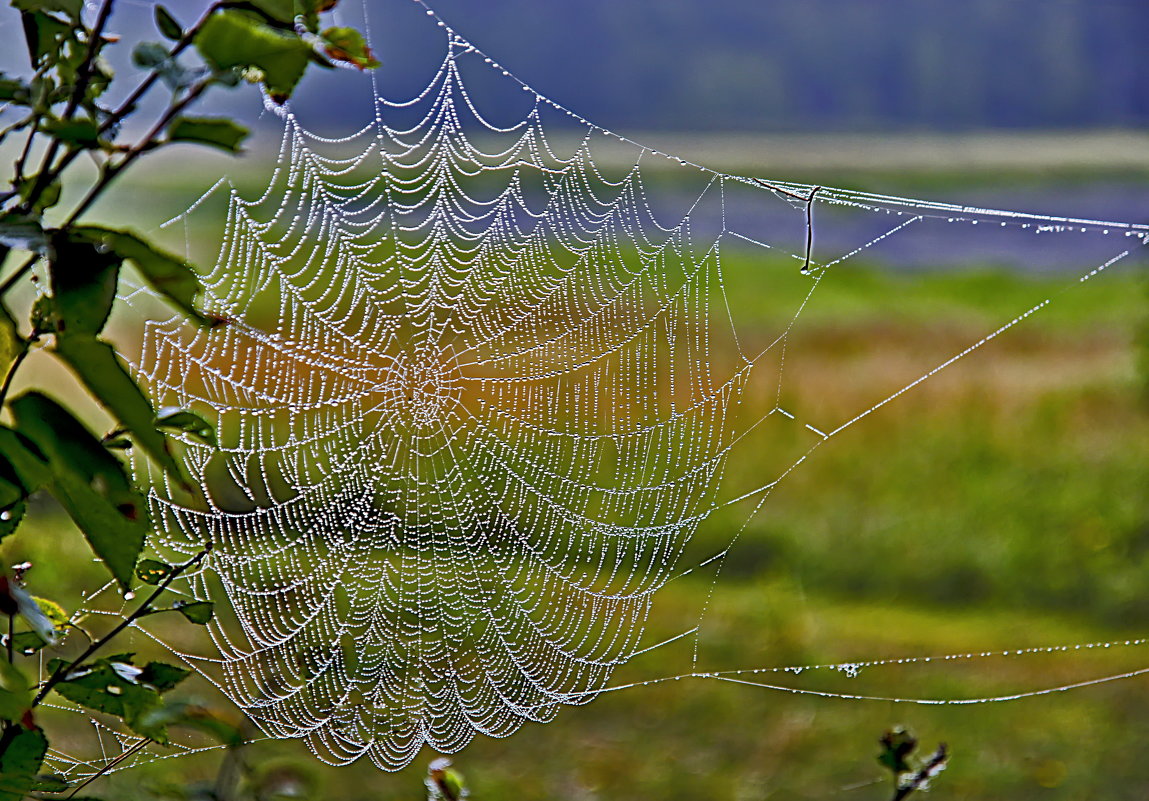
(1001,505)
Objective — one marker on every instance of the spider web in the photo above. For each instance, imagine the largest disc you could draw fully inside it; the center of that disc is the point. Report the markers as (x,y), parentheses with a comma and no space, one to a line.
(476,399)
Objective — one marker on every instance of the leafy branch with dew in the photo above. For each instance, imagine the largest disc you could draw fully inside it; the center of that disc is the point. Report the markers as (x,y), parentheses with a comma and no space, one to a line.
(60,109)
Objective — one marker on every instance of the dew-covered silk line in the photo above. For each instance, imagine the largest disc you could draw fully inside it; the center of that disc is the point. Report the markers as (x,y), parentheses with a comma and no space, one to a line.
(475,399)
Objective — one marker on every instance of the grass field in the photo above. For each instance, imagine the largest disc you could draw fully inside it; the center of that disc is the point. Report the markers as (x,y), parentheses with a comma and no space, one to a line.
(1001,505)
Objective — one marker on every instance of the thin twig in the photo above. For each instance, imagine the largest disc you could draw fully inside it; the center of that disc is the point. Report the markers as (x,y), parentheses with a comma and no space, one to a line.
(20,357)
(809,201)
(779,190)
(110,171)
(83,78)
(27,150)
(935,765)
(62,671)
(135,749)
(144,86)
(130,103)
(809,229)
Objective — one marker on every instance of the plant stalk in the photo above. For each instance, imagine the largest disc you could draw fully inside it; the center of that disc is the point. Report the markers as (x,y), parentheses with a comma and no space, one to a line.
(62,671)
(111,171)
(83,78)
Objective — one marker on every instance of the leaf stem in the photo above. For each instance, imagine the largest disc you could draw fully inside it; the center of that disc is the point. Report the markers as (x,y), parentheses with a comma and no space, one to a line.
(27,150)
(61,672)
(20,357)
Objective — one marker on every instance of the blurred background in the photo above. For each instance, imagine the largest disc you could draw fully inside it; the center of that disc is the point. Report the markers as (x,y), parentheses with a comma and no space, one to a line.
(819,65)
(1001,506)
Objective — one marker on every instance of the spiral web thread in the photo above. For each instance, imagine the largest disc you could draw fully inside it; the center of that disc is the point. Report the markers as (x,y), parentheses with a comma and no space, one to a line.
(475,399)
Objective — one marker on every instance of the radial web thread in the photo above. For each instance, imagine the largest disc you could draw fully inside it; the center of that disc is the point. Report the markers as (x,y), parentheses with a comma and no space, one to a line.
(476,397)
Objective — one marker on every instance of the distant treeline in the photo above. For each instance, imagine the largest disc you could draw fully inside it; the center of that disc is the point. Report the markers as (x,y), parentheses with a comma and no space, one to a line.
(818,64)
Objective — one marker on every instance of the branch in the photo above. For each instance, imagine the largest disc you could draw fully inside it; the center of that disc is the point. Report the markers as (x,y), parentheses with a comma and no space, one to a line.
(27,150)
(83,78)
(109,765)
(809,228)
(109,173)
(129,104)
(62,671)
(809,201)
(20,357)
(84,75)
(918,781)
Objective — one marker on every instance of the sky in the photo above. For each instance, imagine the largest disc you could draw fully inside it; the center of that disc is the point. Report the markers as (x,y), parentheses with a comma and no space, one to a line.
(754,66)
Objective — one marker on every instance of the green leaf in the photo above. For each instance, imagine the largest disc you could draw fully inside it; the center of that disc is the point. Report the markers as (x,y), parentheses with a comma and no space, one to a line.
(198,612)
(83,279)
(153,571)
(27,643)
(101,371)
(149,55)
(897,744)
(44,35)
(49,195)
(348,44)
(12,346)
(167,274)
(163,676)
(310,10)
(52,610)
(167,24)
(28,465)
(10,494)
(43,315)
(70,7)
(446,781)
(153,56)
(15,699)
(20,763)
(221,133)
(14,91)
(31,612)
(80,133)
(89,482)
(177,419)
(102,74)
(197,717)
(21,467)
(231,39)
(53,783)
(117,687)
(24,233)
(11,518)
(286,11)
(278,10)
(110,687)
